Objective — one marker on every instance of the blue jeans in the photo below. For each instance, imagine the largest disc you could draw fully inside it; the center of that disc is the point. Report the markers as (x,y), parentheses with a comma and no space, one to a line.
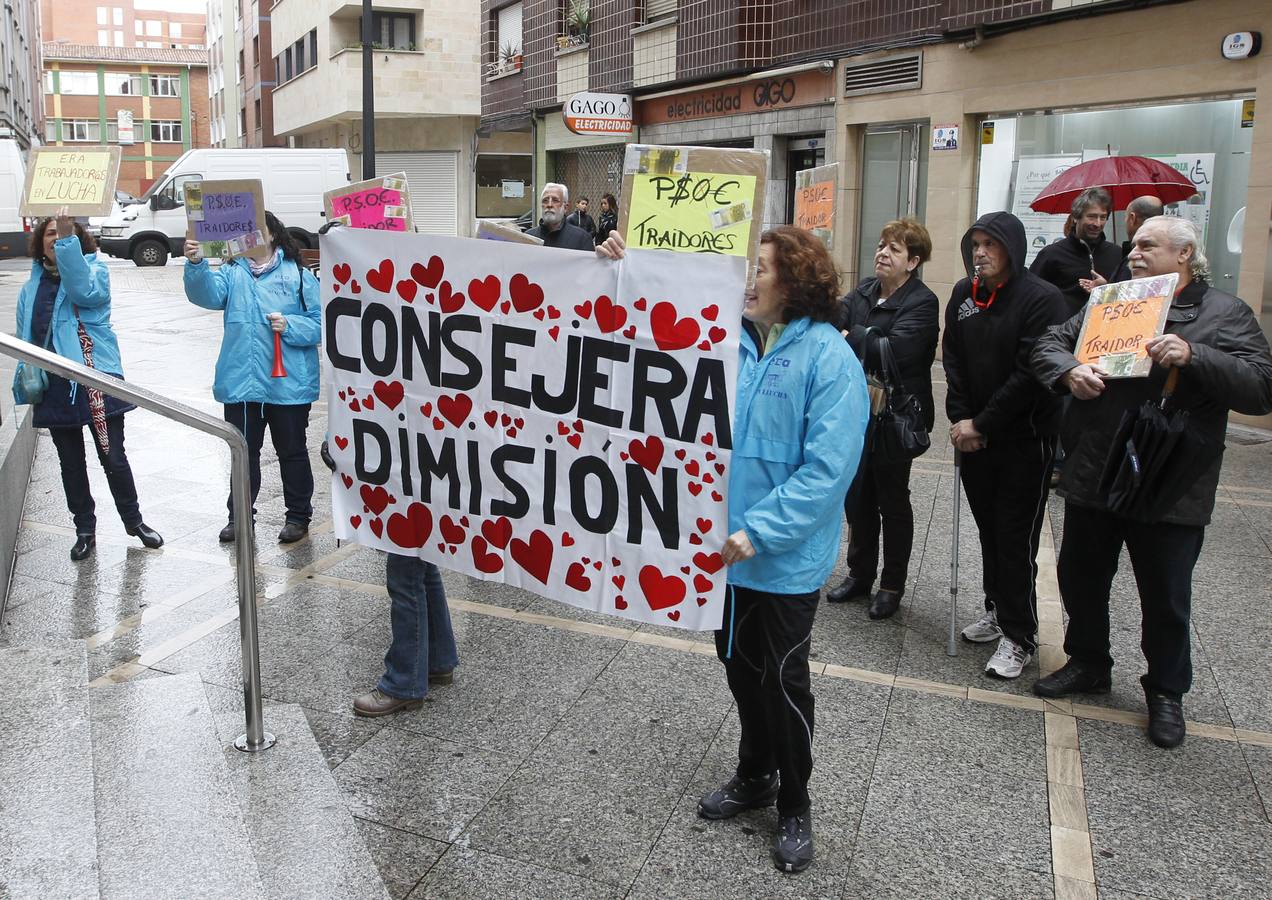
(423,641)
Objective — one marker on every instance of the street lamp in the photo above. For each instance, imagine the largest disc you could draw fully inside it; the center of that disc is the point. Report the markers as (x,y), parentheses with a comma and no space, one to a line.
(368,96)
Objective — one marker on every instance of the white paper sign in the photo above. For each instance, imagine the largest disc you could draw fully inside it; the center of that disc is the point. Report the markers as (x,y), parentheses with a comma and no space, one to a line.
(537,416)
(1033,173)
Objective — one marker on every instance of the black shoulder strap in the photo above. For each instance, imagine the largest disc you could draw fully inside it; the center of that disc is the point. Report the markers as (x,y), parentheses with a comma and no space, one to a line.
(300,272)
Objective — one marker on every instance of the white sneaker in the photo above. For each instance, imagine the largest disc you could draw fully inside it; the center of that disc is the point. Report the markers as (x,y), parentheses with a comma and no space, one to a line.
(1009,660)
(984,629)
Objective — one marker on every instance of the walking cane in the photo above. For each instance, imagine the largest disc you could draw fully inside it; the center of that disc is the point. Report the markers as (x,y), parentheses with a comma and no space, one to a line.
(951,648)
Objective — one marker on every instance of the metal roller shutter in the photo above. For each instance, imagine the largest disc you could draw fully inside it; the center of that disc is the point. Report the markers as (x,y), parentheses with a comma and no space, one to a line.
(433,177)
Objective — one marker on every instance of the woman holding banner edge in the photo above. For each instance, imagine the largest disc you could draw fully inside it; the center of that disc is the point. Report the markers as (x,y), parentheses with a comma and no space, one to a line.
(279,296)
(787,482)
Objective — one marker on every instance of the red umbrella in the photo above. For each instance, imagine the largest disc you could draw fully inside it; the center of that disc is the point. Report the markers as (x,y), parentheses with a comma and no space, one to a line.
(1125,177)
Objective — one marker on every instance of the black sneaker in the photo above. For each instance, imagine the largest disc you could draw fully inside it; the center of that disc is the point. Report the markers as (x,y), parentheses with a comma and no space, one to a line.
(1074,678)
(793,845)
(737,795)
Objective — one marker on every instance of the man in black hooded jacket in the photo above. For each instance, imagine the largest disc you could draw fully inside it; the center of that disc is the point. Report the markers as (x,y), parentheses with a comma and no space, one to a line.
(1004,424)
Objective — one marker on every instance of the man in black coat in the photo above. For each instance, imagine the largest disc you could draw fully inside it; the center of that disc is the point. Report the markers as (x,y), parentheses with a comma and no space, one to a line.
(552,229)
(1084,254)
(580,218)
(1139,211)
(1003,423)
(1214,341)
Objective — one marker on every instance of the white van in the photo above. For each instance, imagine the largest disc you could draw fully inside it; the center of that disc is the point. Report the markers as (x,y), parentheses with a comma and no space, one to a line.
(294,181)
(13,229)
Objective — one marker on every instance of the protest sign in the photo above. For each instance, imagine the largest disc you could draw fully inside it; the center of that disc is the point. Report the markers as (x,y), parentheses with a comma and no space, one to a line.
(82,180)
(536,416)
(496,231)
(227,218)
(1120,319)
(383,204)
(694,200)
(815,201)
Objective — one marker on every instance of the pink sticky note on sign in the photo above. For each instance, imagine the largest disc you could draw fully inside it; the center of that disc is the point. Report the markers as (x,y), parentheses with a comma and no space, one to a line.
(366,209)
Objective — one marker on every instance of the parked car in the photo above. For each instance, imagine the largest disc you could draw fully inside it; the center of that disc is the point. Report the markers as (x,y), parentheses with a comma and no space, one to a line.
(293,180)
(14,232)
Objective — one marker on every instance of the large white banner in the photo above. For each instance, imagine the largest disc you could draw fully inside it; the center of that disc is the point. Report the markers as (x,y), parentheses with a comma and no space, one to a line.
(1033,173)
(537,416)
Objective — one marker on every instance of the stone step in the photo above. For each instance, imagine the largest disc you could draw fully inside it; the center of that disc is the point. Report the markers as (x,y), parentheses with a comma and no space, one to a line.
(306,842)
(48,844)
(168,818)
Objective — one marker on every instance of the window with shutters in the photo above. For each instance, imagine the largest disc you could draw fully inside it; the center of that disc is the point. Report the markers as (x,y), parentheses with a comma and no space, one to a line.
(653,10)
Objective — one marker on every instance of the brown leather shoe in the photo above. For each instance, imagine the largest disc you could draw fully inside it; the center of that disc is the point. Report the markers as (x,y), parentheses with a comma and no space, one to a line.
(376,704)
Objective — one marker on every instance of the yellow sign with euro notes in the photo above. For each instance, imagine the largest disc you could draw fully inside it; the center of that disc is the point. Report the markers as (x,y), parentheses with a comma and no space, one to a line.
(1120,319)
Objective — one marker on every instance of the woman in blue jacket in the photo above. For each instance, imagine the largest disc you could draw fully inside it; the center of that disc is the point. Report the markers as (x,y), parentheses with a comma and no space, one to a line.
(260,299)
(798,430)
(65,306)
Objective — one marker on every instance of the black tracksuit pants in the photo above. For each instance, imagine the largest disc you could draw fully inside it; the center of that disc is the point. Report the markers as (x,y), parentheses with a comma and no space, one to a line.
(767,669)
(69,442)
(287,424)
(1006,485)
(880,501)
(1163,556)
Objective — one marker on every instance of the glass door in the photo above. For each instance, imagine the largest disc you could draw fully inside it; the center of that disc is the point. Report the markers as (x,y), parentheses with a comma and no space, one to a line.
(893,182)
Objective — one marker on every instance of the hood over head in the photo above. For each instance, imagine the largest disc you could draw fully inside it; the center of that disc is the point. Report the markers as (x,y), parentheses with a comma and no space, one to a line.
(1004,228)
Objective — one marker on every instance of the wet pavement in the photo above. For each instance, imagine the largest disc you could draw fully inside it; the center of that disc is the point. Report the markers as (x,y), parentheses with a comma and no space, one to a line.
(567,758)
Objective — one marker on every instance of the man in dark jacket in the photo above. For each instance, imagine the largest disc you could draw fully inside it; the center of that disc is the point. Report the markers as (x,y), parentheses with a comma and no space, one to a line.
(1084,253)
(552,229)
(1004,425)
(1215,342)
(580,218)
(1139,211)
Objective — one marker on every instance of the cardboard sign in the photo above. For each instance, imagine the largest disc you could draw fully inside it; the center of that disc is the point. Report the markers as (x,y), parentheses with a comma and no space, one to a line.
(537,417)
(227,218)
(815,201)
(1120,319)
(495,231)
(694,200)
(383,204)
(81,179)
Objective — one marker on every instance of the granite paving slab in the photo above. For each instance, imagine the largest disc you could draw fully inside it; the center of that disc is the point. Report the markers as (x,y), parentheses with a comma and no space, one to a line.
(467,874)
(884,870)
(402,858)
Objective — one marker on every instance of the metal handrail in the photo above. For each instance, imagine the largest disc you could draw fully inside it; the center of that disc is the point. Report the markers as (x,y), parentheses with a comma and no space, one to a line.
(255,738)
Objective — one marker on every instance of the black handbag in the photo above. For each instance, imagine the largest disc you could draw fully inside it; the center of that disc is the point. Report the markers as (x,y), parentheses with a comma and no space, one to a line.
(897,432)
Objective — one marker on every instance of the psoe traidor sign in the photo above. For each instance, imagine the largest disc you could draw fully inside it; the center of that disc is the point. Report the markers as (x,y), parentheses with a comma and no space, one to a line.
(598,114)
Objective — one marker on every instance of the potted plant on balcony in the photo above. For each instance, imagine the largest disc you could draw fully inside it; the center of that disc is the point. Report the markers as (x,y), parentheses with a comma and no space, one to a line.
(578,20)
(509,57)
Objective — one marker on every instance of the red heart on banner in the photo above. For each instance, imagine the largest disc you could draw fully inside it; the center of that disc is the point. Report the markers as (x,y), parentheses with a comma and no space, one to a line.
(431,275)
(716,334)
(451,532)
(708,478)
(355,521)
(691,468)
(341,442)
(497,531)
(355,405)
(553,312)
(710,455)
(355,287)
(619,581)
(578,425)
(701,583)
(708,439)
(694,539)
(450,302)
(381,278)
(455,409)
(710,312)
(609,315)
(670,331)
(347,479)
(483,560)
(640,304)
(702,601)
(376,498)
(719,467)
(615,561)
(584,309)
(535,555)
(491,417)
(619,602)
(554,332)
(505,420)
(695,488)
(648,454)
(377,526)
(576,577)
(575,440)
(567,540)
(704,525)
(412,529)
(629,332)
(709,563)
(705,345)
(539,314)
(505,307)
(661,591)
(342,271)
(680,454)
(438,423)
(427,409)
(390,392)
(562,428)
(369,401)
(526,295)
(485,293)
(406,290)
(716,496)
(674,615)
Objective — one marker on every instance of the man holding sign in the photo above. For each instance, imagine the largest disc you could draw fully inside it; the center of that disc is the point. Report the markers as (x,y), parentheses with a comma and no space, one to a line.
(1215,343)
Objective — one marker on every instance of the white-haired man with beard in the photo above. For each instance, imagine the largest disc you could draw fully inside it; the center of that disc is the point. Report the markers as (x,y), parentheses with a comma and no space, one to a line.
(1222,355)
(552,229)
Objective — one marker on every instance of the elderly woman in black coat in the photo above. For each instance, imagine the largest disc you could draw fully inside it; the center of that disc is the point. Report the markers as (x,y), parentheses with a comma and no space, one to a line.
(896,306)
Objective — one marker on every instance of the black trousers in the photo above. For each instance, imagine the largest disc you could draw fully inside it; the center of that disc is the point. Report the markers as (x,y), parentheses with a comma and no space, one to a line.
(767,669)
(287,425)
(880,501)
(1006,485)
(1163,557)
(79,498)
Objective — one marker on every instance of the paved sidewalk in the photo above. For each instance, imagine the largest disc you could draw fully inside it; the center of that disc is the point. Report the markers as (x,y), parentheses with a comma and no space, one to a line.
(567,758)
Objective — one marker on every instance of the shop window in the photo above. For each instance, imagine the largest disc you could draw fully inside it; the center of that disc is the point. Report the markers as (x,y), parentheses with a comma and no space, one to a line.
(393,31)
(504,187)
(165,131)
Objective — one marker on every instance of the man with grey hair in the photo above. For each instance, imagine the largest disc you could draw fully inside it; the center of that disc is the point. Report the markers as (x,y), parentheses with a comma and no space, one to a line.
(1215,343)
(1084,254)
(552,229)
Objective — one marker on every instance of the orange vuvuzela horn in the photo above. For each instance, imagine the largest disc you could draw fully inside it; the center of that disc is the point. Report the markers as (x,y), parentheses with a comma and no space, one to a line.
(279,371)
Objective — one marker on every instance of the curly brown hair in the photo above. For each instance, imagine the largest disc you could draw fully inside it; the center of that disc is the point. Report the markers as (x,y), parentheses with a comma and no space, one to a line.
(87,244)
(807,274)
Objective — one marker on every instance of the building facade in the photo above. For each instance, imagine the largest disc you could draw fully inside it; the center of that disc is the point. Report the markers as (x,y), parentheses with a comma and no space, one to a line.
(21,105)
(427,94)
(153,103)
(152,24)
(224,29)
(241,73)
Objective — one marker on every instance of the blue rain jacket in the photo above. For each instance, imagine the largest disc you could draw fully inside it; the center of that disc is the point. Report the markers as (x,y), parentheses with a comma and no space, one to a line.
(247,350)
(798,432)
(86,288)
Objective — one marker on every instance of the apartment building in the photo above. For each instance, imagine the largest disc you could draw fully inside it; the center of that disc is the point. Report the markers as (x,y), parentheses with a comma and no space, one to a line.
(241,74)
(153,24)
(153,103)
(426,71)
(21,105)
